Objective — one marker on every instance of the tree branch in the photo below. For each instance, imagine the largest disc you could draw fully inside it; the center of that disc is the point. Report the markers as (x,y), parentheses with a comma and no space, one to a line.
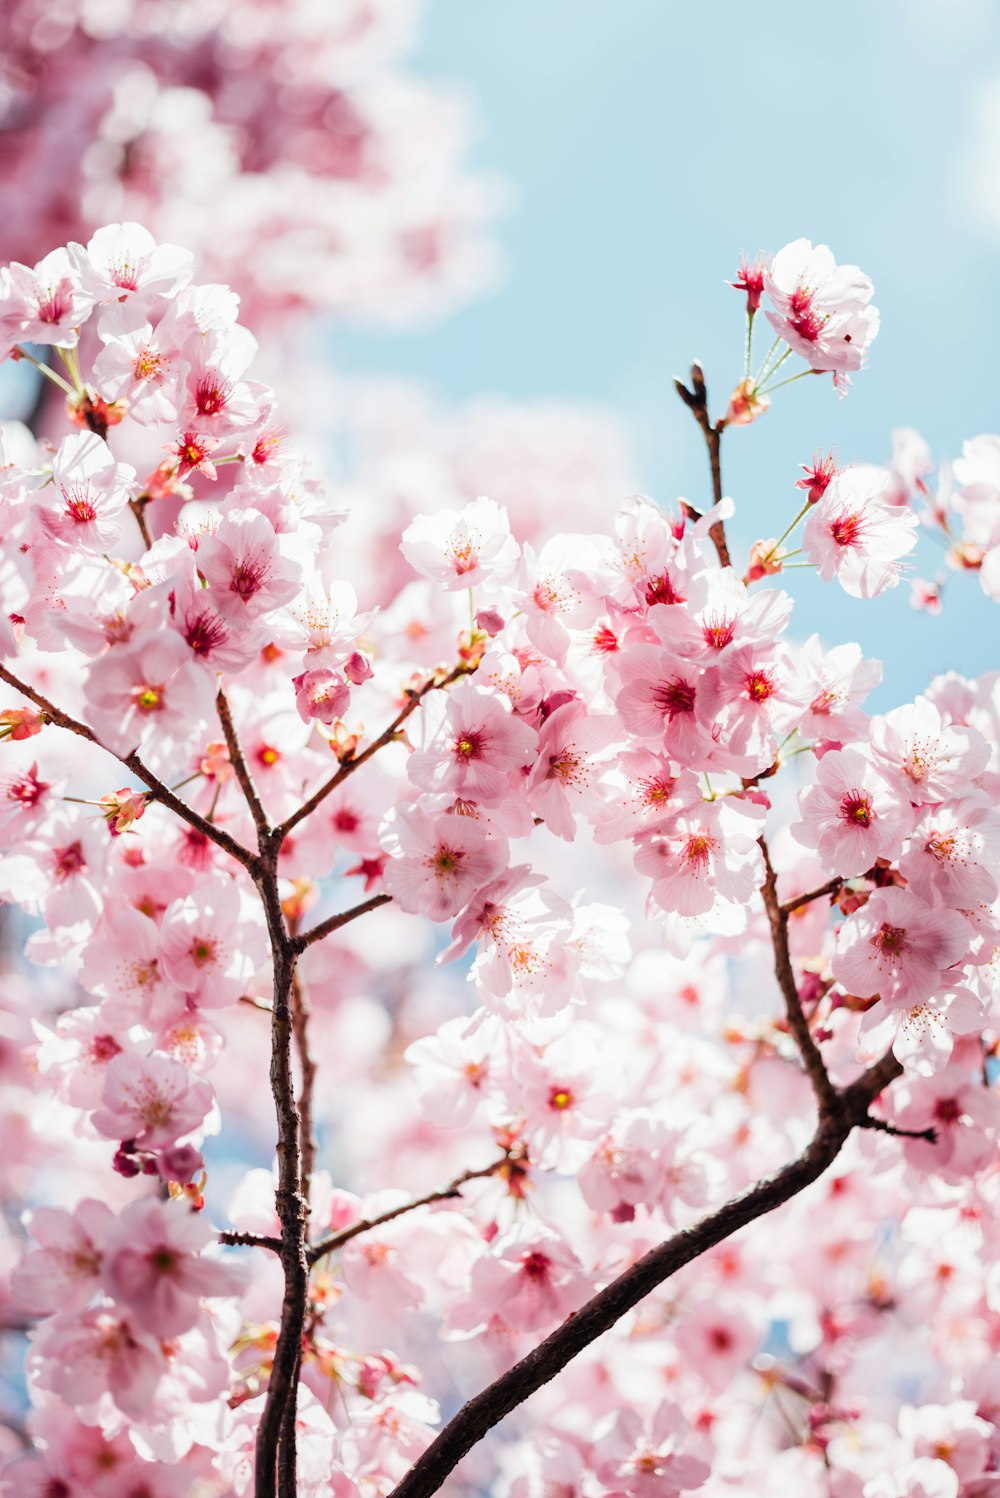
(138,508)
(883,1127)
(349,766)
(334,922)
(829,888)
(333,1241)
(239,765)
(301,1012)
(696,400)
(777,916)
(488,1408)
(235,1239)
(275,1458)
(157,788)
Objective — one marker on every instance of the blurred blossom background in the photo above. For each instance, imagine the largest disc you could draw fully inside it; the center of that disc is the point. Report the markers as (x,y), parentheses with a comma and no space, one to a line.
(478,242)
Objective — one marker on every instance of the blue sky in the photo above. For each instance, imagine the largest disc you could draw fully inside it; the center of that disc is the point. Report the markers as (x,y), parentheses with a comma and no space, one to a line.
(647,143)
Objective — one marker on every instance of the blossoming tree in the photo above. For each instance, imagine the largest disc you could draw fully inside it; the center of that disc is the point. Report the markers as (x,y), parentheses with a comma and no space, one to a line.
(310,875)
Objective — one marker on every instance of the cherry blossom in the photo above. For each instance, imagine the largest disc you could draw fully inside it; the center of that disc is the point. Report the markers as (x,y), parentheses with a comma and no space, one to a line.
(467,548)
(822,310)
(154,1264)
(853,533)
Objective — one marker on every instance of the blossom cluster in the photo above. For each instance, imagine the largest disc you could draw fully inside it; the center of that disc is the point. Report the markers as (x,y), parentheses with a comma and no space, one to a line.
(530,808)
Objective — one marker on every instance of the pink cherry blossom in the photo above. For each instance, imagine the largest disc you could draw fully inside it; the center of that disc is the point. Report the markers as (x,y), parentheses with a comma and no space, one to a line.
(668,702)
(81,1356)
(90,491)
(154,1264)
(149,686)
(530,1276)
(470,745)
(855,535)
(706,854)
(647,1462)
(852,815)
(564,784)
(822,310)
(123,263)
(208,947)
(63,1273)
(44,304)
(152,1100)
(468,548)
(247,570)
(438,861)
(898,947)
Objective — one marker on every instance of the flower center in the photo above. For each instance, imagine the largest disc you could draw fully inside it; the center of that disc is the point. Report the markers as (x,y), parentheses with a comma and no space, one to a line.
(856,809)
(673,697)
(846,529)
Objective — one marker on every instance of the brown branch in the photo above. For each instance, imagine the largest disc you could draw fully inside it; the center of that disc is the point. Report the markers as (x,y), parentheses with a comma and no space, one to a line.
(777,916)
(696,400)
(301,1014)
(488,1408)
(239,765)
(333,1241)
(138,508)
(829,888)
(883,1127)
(349,766)
(235,1239)
(334,922)
(275,1458)
(157,788)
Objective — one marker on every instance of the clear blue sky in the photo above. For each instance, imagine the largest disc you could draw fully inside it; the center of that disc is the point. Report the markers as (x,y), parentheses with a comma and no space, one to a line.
(647,143)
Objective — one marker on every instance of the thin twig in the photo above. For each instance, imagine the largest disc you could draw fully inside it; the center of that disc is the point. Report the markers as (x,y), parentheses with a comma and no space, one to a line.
(239,764)
(334,922)
(829,888)
(333,1241)
(138,508)
(883,1127)
(234,1239)
(486,1409)
(696,400)
(161,791)
(777,916)
(349,766)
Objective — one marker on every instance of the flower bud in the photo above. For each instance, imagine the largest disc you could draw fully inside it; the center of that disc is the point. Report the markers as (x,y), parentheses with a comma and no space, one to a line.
(21,722)
(358,668)
(122,808)
(745,405)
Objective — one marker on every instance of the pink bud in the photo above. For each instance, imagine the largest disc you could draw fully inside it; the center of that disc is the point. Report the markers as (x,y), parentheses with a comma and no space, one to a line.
(122,808)
(489,621)
(358,668)
(817,477)
(750,280)
(745,405)
(21,722)
(179,1162)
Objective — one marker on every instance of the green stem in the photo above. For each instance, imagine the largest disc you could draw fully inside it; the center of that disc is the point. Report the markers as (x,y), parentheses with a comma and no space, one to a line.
(44,369)
(788,531)
(765,372)
(772,372)
(791,378)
